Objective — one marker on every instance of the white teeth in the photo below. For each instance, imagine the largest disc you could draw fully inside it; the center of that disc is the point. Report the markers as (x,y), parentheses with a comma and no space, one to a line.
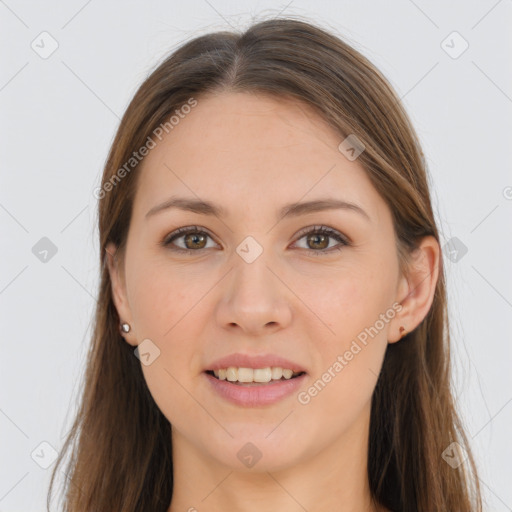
(248,375)
(245,374)
(232,374)
(287,374)
(263,375)
(277,373)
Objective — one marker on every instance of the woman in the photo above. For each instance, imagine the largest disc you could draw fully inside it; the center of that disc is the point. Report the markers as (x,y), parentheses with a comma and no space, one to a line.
(271,330)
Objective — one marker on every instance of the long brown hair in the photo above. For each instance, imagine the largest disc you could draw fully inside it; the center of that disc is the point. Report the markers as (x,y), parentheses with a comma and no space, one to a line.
(120,442)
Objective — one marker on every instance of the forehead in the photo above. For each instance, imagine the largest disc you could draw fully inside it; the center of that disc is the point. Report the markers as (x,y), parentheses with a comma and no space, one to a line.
(247,150)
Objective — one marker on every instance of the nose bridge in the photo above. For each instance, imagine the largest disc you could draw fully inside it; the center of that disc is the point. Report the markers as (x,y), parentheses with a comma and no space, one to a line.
(254,297)
(251,280)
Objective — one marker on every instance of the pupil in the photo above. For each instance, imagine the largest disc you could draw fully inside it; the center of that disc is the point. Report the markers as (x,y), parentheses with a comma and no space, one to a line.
(324,239)
(194,238)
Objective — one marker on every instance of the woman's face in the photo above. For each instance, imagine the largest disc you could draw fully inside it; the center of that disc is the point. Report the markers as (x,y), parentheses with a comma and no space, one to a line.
(254,283)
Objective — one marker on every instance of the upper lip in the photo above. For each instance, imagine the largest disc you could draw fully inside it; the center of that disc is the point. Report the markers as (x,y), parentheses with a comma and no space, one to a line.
(239,360)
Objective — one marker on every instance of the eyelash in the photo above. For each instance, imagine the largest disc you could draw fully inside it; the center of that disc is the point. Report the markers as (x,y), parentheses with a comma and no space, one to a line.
(317,230)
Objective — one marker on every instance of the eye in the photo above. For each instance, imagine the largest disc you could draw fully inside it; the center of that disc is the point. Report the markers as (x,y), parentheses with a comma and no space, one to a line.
(317,240)
(194,239)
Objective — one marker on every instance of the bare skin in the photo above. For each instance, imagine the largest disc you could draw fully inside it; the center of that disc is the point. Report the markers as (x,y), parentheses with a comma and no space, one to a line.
(299,299)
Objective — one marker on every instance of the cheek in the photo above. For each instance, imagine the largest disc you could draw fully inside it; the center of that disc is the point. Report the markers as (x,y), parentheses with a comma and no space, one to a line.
(166,311)
(159,299)
(164,308)
(356,307)
(336,400)
(350,357)
(347,301)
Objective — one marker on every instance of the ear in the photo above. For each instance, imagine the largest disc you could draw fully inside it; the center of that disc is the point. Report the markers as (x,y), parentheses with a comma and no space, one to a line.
(118,286)
(416,289)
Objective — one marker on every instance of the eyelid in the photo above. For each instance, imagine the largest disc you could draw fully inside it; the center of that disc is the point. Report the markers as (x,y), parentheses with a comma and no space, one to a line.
(342,239)
(182,231)
(323,228)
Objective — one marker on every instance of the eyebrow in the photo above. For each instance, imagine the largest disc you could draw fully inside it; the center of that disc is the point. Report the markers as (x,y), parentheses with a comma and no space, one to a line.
(290,210)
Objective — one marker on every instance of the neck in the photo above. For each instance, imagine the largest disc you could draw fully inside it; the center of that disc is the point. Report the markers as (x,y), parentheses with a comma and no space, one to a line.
(333,479)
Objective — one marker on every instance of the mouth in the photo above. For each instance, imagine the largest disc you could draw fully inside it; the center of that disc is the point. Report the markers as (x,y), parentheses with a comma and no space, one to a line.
(254,380)
(254,387)
(242,376)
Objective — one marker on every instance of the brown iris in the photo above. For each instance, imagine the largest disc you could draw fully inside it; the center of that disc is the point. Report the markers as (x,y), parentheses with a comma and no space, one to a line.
(197,239)
(321,239)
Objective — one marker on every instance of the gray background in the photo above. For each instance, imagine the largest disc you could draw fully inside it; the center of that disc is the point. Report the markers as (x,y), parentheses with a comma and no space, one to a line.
(58,118)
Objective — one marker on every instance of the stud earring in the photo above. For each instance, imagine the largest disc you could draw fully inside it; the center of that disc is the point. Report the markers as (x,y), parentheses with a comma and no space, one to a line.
(125,327)
(403,332)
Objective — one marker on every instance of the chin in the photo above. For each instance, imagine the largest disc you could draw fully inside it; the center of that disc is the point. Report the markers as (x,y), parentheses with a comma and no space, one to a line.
(256,451)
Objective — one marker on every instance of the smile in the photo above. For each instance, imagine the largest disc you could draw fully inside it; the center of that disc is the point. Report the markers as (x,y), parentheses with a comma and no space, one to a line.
(254,387)
(254,375)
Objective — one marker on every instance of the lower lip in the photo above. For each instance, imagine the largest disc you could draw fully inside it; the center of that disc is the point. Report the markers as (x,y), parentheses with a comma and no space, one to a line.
(255,395)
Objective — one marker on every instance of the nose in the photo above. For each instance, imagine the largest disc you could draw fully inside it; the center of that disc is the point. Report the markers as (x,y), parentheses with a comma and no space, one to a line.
(254,299)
